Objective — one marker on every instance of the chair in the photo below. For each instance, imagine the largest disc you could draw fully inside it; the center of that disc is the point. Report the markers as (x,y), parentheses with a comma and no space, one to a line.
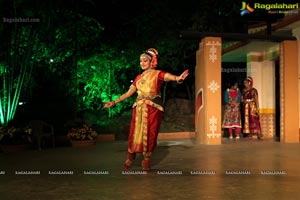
(41,130)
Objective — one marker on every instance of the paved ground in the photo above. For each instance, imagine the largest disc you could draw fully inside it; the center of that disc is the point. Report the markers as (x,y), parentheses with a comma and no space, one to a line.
(274,172)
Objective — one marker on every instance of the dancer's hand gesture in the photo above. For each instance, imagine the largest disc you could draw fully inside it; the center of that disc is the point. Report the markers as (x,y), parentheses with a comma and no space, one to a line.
(183,76)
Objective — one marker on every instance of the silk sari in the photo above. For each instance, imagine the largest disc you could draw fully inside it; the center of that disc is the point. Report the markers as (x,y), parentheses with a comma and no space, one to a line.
(147,113)
(251,114)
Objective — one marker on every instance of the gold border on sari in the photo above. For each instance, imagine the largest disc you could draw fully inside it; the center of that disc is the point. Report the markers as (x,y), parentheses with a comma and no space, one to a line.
(146,93)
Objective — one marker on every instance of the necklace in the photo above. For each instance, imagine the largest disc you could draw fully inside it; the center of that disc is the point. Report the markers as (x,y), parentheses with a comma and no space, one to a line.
(143,80)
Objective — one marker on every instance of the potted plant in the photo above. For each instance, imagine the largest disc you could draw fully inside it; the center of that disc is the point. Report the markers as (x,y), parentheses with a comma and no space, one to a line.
(14,139)
(84,135)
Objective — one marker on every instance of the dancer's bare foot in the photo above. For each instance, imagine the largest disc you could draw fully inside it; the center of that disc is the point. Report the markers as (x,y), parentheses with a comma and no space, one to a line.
(259,136)
(146,165)
(127,164)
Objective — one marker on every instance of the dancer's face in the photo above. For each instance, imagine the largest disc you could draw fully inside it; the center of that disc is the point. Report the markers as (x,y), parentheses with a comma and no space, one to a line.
(246,84)
(145,62)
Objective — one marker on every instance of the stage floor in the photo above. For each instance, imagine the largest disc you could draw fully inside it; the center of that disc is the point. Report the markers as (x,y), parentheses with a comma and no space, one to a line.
(180,170)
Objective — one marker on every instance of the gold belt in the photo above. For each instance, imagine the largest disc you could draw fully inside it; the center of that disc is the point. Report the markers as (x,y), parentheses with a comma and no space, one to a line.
(146,97)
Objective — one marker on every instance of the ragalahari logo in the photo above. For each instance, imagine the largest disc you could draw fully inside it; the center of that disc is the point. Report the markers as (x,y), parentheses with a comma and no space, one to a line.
(246,9)
(271,8)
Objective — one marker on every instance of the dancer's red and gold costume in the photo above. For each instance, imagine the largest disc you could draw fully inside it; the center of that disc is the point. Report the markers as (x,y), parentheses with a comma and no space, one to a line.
(147,113)
(147,109)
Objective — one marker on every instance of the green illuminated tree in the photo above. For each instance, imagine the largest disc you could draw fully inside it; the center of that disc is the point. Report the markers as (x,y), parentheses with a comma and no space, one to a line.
(52,47)
(15,71)
(103,77)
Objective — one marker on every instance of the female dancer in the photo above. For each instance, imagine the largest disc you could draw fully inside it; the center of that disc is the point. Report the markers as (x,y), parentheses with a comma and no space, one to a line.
(147,109)
(251,110)
(232,113)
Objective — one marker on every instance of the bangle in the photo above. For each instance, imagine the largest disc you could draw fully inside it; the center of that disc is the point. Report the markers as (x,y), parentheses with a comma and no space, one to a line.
(114,103)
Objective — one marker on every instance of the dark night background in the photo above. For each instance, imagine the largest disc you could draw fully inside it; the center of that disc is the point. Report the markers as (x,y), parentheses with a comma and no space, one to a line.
(81,53)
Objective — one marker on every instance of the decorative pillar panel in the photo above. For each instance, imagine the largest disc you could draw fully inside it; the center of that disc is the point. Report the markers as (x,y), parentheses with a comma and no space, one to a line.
(200,101)
(289,103)
(268,100)
(208,89)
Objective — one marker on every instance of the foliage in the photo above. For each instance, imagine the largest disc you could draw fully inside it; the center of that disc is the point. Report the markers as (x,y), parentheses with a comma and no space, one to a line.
(37,52)
(101,78)
(15,70)
(68,41)
(12,135)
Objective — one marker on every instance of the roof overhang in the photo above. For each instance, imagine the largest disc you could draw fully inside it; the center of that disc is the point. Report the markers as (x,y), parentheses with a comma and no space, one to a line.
(236,46)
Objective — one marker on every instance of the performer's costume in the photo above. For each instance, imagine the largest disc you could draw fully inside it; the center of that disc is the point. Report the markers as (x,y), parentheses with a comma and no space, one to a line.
(251,116)
(232,113)
(147,113)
